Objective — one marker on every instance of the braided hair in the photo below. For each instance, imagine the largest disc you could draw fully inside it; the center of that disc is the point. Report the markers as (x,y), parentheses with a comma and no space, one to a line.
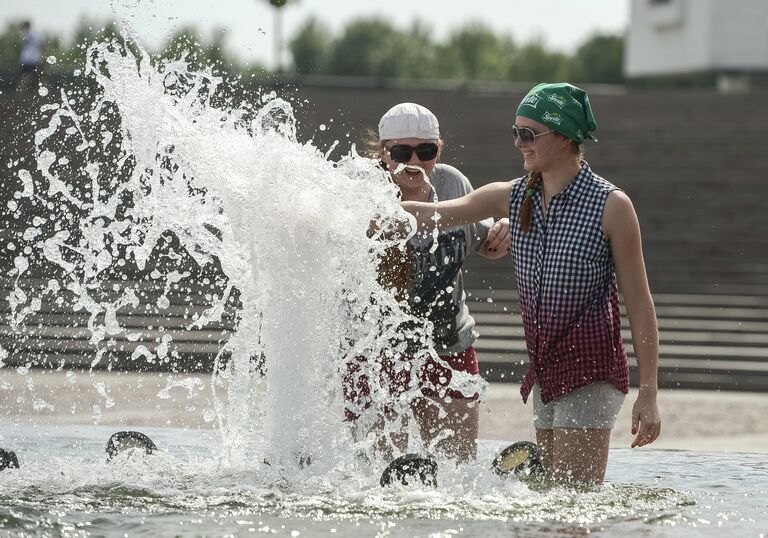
(526,209)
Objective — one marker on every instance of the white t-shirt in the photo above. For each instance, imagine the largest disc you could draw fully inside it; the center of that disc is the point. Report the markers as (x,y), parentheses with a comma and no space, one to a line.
(437,281)
(31,48)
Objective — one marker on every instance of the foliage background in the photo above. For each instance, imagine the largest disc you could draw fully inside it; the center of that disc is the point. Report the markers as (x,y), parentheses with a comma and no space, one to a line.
(369,48)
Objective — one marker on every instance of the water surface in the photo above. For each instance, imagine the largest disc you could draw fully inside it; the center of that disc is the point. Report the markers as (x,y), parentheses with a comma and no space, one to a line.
(66,488)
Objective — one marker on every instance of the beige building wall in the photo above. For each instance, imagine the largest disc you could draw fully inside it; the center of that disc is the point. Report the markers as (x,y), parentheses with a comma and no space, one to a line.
(671,37)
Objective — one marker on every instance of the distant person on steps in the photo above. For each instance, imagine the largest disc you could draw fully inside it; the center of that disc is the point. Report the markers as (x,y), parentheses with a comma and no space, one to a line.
(30,58)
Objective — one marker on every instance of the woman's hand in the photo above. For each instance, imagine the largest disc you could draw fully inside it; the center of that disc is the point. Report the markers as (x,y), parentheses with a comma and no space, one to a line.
(389,230)
(498,242)
(646,423)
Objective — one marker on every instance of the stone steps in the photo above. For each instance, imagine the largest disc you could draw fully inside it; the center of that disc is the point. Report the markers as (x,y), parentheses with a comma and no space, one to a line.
(704,339)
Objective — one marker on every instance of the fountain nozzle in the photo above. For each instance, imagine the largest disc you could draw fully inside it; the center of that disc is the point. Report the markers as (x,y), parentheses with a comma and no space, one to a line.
(8,460)
(129,439)
(411,469)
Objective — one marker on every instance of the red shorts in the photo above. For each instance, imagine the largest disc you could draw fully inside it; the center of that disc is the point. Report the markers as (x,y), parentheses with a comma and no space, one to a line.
(396,376)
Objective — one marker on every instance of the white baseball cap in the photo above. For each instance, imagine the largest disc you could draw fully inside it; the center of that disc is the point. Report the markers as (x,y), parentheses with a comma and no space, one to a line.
(408,120)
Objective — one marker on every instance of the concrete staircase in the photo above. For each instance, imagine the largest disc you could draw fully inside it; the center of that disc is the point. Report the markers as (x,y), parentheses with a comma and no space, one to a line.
(704,342)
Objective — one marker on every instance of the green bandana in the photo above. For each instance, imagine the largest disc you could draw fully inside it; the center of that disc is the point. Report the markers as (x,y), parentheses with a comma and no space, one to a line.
(562,107)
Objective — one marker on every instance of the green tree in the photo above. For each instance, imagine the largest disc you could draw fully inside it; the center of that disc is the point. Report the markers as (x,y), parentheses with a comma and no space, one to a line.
(534,63)
(71,55)
(371,47)
(475,53)
(365,50)
(599,59)
(311,48)
(215,52)
(10,46)
(188,44)
(414,53)
(68,55)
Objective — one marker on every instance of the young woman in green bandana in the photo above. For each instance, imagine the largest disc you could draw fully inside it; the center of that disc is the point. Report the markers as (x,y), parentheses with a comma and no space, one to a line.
(575,237)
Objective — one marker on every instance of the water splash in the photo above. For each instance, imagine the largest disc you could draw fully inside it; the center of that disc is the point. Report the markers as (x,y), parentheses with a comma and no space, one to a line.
(153,182)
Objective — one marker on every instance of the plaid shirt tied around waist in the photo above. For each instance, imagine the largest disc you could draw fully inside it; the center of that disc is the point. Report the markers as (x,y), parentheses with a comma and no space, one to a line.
(567,286)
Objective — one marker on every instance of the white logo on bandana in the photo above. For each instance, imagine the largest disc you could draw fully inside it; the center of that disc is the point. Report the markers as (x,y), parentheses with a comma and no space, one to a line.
(552,117)
(557,100)
(531,100)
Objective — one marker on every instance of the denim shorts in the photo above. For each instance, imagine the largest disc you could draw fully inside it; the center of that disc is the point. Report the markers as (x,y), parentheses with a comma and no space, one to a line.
(593,407)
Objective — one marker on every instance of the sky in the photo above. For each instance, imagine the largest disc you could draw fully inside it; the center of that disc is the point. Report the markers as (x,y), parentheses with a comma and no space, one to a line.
(249,24)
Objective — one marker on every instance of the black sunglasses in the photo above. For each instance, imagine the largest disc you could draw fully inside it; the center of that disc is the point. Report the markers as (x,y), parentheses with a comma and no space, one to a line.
(526,135)
(401,153)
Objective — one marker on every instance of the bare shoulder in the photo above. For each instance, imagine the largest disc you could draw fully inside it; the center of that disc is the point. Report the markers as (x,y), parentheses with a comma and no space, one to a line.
(618,206)
(619,213)
(618,201)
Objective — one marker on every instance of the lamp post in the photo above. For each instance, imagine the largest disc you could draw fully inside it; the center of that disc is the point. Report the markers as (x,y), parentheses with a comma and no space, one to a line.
(278,31)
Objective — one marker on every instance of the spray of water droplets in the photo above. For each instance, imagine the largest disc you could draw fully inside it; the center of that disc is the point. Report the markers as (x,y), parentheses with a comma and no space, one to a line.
(156,192)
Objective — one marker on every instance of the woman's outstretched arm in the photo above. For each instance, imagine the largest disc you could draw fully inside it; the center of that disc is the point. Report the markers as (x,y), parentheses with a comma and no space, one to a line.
(490,200)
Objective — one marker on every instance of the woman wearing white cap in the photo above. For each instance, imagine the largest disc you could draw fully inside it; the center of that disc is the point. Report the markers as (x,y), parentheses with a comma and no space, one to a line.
(409,146)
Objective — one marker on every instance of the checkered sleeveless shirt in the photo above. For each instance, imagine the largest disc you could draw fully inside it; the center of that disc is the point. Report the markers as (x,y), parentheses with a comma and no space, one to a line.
(567,287)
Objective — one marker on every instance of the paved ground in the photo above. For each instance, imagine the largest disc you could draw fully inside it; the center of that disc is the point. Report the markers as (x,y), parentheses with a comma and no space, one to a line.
(692,420)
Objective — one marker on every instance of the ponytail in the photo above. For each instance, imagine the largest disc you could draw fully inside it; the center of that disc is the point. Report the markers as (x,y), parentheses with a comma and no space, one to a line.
(526,209)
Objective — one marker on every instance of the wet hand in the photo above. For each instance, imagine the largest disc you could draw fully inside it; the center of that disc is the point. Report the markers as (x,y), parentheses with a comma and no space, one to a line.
(646,423)
(498,242)
(389,230)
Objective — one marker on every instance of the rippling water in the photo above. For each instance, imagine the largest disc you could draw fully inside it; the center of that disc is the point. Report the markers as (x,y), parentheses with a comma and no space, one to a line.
(65,488)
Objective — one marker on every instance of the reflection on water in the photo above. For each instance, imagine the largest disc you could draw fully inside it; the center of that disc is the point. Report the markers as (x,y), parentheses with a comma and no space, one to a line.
(65,486)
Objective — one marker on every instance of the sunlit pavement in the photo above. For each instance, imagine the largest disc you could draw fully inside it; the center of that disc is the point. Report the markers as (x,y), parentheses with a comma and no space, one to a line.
(701,420)
(691,420)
